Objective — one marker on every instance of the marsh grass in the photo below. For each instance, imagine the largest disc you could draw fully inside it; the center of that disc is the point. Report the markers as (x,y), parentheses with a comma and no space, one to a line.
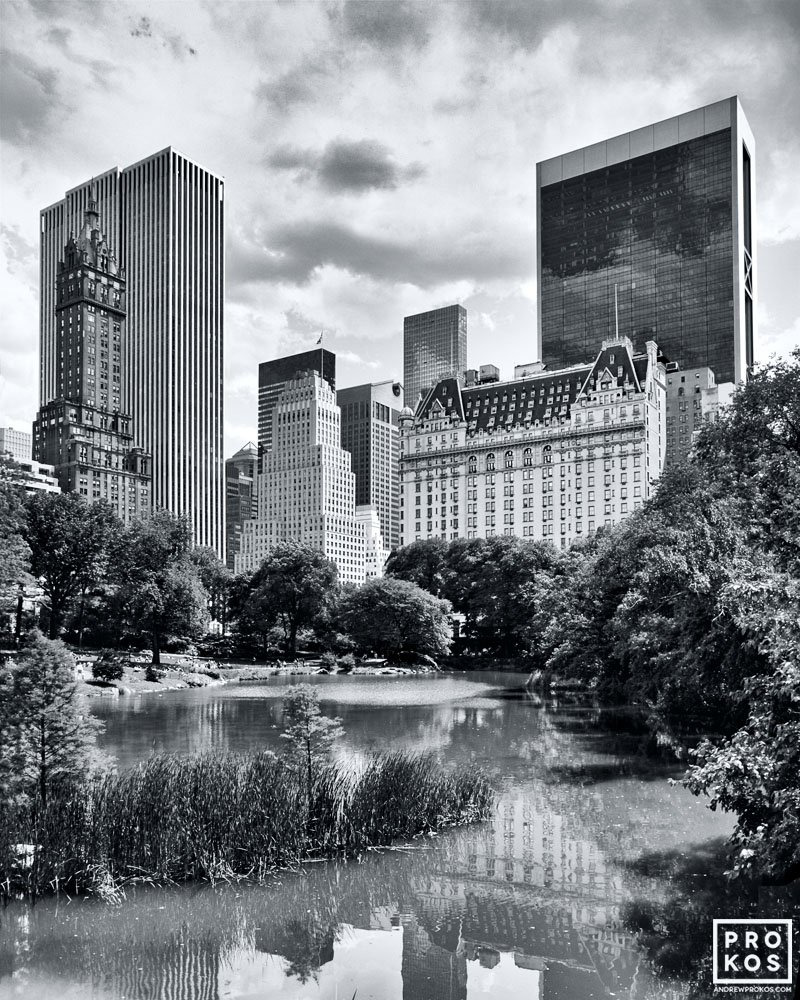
(229,816)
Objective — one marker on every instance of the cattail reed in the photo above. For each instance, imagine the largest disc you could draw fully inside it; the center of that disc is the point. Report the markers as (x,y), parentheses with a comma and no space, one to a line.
(227,816)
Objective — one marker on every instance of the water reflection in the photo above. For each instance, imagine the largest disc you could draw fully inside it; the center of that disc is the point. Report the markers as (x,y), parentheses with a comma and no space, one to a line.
(537,903)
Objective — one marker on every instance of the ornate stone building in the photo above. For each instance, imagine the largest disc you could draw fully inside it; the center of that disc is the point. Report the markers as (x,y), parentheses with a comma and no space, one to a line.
(83,432)
(550,455)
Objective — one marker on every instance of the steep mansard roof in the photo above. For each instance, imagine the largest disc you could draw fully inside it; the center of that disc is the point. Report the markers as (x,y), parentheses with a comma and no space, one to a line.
(540,397)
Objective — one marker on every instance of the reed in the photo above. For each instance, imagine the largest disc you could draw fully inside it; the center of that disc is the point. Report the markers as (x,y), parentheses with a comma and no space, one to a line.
(228,816)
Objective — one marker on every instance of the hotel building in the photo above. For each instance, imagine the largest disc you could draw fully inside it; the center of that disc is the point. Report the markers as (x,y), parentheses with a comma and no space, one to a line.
(165,217)
(82,432)
(273,376)
(650,235)
(434,347)
(306,487)
(549,455)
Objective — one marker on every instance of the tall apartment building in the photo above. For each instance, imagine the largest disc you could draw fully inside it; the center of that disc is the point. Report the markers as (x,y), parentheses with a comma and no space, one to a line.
(240,497)
(651,235)
(552,455)
(434,347)
(165,217)
(273,376)
(18,444)
(306,487)
(693,399)
(82,431)
(370,433)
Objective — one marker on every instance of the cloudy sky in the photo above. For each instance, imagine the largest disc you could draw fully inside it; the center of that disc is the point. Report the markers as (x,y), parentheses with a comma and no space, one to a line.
(379,155)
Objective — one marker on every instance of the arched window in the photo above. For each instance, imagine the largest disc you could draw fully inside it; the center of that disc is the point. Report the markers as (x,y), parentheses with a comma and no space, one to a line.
(509,460)
(472,463)
(527,457)
(547,454)
(490,462)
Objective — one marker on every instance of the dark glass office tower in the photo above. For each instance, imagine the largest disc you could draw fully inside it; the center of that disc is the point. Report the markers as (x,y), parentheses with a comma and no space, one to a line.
(649,235)
(434,347)
(273,376)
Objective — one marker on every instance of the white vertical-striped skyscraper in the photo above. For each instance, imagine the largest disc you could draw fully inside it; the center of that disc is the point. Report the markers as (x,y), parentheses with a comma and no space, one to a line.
(165,214)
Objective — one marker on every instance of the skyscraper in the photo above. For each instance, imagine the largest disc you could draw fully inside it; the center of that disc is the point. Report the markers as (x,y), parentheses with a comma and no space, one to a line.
(81,431)
(434,347)
(165,217)
(650,235)
(273,376)
(240,497)
(370,433)
(306,488)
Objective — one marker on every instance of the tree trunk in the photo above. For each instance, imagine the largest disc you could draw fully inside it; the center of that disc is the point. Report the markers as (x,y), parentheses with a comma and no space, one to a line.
(18,624)
(156,650)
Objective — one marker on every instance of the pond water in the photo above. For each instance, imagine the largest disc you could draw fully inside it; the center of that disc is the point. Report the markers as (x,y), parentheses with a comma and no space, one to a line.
(534,904)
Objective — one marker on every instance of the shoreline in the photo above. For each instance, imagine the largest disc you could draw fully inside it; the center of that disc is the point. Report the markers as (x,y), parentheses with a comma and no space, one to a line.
(133,681)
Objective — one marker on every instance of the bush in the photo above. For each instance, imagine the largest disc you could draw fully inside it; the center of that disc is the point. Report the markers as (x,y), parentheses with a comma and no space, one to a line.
(347,663)
(328,660)
(108,668)
(153,673)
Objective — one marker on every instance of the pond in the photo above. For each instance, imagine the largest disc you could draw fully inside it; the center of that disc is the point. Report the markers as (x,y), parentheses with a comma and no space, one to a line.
(536,903)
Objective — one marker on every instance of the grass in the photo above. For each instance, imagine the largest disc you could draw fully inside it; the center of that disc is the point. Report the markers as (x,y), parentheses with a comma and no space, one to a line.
(226,816)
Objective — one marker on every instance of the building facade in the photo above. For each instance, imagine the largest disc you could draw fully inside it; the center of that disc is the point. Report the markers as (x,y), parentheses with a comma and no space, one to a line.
(306,487)
(553,455)
(651,235)
(273,376)
(240,497)
(434,347)
(370,432)
(81,432)
(165,217)
(17,444)
(693,399)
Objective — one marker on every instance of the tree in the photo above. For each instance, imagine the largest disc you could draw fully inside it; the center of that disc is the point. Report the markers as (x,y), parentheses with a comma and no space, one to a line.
(44,737)
(14,550)
(158,589)
(310,733)
(394,617)
(216,579)
(424,563)
(291,587)
(70,540)
(492,582)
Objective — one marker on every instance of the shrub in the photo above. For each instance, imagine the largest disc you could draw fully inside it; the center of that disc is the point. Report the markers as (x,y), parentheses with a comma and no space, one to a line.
(347,663)
(108,668)
(328,660)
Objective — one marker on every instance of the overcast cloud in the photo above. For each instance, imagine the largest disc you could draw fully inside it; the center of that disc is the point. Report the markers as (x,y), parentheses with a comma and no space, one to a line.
(379,155)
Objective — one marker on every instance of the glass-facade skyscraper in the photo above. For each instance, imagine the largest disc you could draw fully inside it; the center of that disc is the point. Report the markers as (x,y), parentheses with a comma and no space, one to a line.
(165,217)
(650,235)
(434,347)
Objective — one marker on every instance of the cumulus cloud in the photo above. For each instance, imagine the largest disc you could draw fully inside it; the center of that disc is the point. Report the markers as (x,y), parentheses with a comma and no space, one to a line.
(345,166)
(295,251)
(174,41)
(32,99)
(386,26)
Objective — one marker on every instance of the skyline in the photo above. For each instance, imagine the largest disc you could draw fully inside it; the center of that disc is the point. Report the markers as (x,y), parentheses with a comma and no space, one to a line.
(379,159)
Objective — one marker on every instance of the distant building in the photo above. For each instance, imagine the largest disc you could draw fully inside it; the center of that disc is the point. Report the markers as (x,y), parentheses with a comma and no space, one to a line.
(434,347)
(82,432)
(165,218)
(18,444)
(273,376)
(306,487)
(651,235)
(240,497)
(693,399)
(553,455)
(370,433)
(34,477)
(375,551)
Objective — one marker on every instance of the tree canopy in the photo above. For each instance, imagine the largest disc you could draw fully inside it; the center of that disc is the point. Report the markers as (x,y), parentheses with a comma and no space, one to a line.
(394,617)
